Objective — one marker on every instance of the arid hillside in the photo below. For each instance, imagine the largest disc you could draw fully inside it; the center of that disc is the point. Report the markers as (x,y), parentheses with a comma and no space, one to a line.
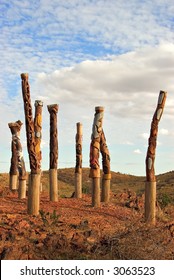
(72,229)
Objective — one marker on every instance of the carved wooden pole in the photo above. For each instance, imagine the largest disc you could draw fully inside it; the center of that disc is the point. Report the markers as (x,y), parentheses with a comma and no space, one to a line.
(34,181)
(106,169)
(78,168)
(38,129)
(13,167)
(150,187)
(94,155)
(38,132)
(53,109)
(15,130)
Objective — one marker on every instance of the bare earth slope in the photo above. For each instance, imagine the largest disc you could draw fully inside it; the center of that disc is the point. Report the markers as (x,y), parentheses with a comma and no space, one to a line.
(72,229)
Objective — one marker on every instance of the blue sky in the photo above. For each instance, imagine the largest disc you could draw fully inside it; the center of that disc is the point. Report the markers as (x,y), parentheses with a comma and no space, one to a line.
(81,54)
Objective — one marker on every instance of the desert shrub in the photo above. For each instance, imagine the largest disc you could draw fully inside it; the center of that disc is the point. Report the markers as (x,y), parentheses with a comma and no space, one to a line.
(49,218)
(85,189)
(164,199)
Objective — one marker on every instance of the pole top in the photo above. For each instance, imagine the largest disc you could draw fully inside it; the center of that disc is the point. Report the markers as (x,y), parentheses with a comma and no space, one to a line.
(79,128)
(163,91)
(38,103)
(24,76)
(19,122)
(162,97)
(53,107)
(99,109)
(78,123)
(15,124)
(12,124)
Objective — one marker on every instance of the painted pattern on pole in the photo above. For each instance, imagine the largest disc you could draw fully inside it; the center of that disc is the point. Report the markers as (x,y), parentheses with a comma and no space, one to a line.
(105,157)
(13,165)
(78,167)
(150,158)
(34,163)
(37,129)
(15,130)
(53,109)
(95,142)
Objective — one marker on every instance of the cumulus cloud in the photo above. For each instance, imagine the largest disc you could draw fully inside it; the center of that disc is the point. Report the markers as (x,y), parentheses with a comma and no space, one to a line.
(127,143)
(128,84)
(137,151)
(55,34)
(144,135)
(164,131)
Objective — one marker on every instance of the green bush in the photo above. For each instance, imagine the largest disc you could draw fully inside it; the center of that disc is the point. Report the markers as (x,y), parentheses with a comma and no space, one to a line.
(164,199)
(49,218)
(85,189)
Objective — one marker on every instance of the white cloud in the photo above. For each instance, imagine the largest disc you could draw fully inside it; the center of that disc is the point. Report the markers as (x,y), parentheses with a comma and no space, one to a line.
(58,33)
(159,143)
(44,143)
(164,131)
(119,83)
(80,54)
(145,135)
(137,151)
(127,143)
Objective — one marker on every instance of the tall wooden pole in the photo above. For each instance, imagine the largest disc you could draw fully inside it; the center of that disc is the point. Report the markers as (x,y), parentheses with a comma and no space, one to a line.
(38,129)
(13,174)
(106,179)
(94,155)
(15,130)
(78,168)
(38,132)
(150,186)
(53,109)
(34,182)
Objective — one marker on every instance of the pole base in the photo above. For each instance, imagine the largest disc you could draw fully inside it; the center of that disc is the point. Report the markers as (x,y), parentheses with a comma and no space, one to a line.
(13,182)
(150,202)
(105,195)
(96,192)
(34,194)
(53,185)
(78,185)
(22,189)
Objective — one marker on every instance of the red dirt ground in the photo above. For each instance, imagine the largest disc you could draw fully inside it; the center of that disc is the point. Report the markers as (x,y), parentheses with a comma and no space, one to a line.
(72,229)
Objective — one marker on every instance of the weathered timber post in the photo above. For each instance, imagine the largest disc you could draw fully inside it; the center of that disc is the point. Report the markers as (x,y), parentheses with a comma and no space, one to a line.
(38,129)
(15,130)
(34,180)
(38,132)
(13,174)
(94,155)
(53,109)
(150,186)
(106,178)
(78,167)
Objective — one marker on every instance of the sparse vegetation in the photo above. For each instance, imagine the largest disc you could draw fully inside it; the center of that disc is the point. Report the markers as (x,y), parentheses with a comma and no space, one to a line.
(164,200)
